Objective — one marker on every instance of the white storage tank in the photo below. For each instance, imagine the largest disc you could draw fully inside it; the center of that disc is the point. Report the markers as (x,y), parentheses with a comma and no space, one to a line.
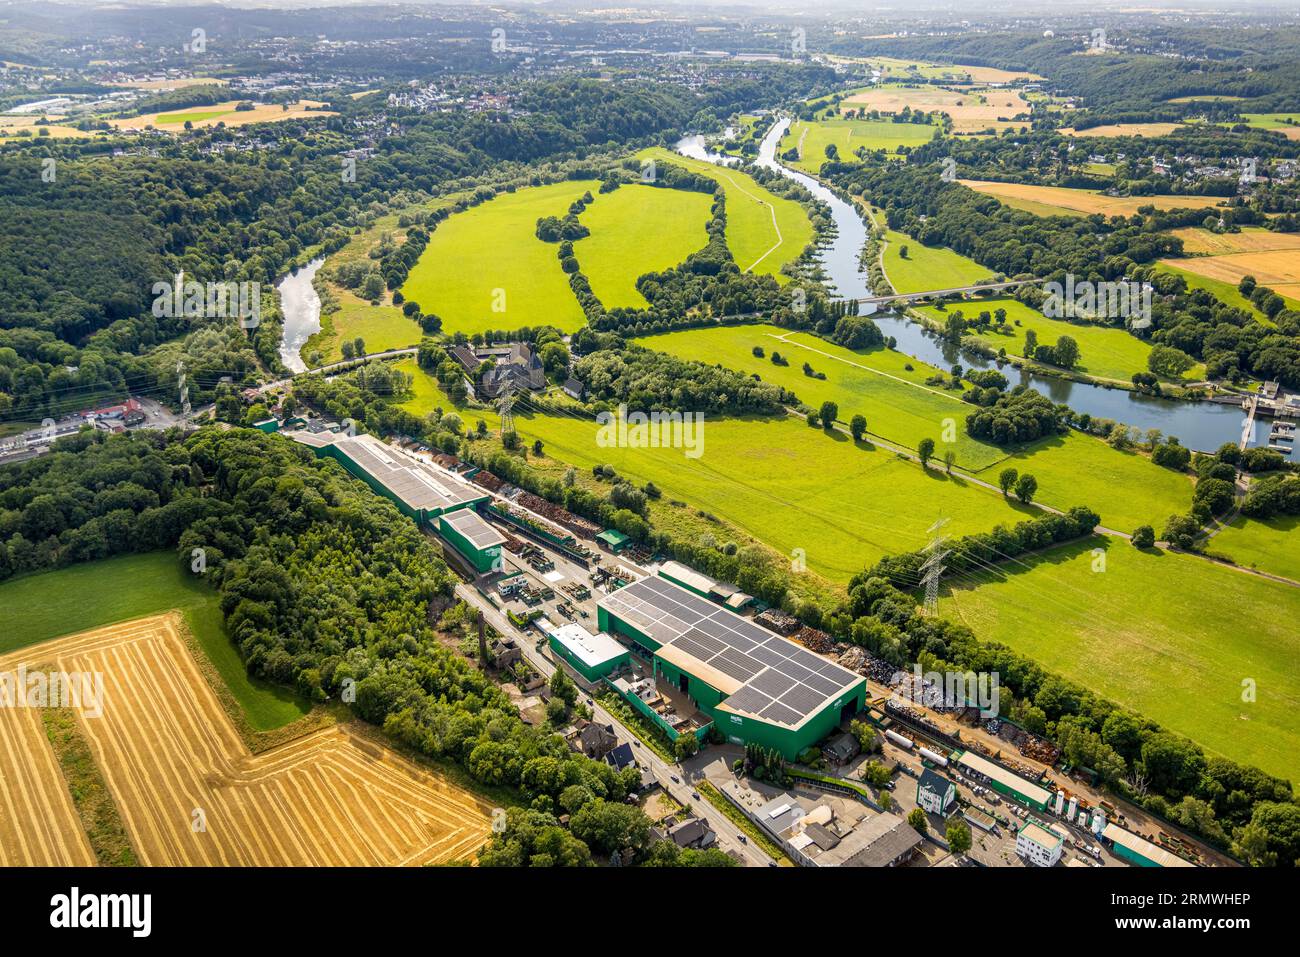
(1098,820)
(1060,801)
(898,739)
(1074,807)
(934,757)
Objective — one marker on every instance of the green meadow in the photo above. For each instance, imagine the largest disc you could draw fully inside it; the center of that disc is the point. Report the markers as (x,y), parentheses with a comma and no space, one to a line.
(1136,626)
(764,231)
(90,595)
(811,137)
(485,268)
(1270,545)
(1105,352)
(635,230)
(898,405)
(1124,487)
(927,267)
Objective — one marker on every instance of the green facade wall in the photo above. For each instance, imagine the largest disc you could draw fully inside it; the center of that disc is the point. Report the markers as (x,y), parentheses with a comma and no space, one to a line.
(483,559)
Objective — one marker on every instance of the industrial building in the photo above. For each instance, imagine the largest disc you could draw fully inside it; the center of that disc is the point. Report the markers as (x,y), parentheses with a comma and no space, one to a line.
(1127,846)
(704,586)
(1039,845)
(419,490)
(827,830)
(474,538)
(756,686)
(1003,781)
(592,656)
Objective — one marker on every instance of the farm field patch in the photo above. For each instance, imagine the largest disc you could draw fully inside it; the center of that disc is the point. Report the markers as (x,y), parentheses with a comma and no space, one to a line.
(764,231)
(972,111)
(635,230)
(1081,202)
(223,113)
(489,256)
(1123,129)
(92,594)
(170,757)
(1130,633)
(1277,268)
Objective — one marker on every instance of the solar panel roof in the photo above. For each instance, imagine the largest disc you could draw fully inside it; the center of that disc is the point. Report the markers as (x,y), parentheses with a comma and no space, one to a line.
(782,682)
(469,524)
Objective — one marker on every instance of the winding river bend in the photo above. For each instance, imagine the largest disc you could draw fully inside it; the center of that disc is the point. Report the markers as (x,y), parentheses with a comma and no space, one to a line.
(1203,426)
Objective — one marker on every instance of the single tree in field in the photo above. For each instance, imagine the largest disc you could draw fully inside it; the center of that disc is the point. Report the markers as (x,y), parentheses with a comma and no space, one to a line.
(1026,486)
(858,427)
(925,450)
(949,460)
(359,345)
(1006,479)
(958,835)
(829,413)
(1144,536)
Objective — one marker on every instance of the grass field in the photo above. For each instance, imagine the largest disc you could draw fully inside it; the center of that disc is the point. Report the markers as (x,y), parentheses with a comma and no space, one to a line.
(1275,121)
(764,231)
(1143,633)
(635,230)
(1125,488)
(1106,352)
(972,111)
(485,268)
(851,505)
(189,792)
(927,267)
(812,137)
(787,485)
(898,406)
(1123,129)
(93,594)
(1271,545)
(1060,201)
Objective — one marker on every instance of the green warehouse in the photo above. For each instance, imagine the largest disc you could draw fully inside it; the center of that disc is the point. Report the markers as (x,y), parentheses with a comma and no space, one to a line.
(757,687)
(419,490)
(592,656)
(474,538)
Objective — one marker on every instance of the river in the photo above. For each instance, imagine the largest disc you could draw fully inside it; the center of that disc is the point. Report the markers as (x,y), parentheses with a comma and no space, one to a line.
(1203,426)
(300,306)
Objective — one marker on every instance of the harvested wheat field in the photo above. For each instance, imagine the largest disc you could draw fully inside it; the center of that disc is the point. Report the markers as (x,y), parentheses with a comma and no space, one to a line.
(972,111)
(39,826)
(189,792)
(1063,201)
(1249,240)
(1277,268)
(204,116)
(1123,129)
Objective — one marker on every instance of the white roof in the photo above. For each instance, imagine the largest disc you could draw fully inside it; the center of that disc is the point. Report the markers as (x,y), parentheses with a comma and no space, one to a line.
(995,772)
(591,650)
(1152,852)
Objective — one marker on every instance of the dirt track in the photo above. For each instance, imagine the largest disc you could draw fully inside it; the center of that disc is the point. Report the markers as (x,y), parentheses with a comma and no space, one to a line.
(190,793)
